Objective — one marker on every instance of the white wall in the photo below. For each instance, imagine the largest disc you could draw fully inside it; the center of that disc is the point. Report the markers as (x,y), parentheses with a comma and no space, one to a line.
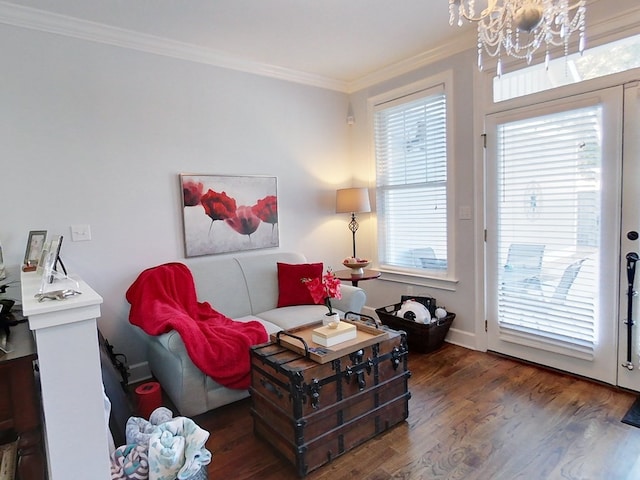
(461,297)
(98,135)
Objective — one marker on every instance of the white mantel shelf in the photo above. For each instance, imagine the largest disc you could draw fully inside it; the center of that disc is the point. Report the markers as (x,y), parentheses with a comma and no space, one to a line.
(71,378)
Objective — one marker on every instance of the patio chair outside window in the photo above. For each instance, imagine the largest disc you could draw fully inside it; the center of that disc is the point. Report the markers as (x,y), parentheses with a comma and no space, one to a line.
(524,265)
(566,281)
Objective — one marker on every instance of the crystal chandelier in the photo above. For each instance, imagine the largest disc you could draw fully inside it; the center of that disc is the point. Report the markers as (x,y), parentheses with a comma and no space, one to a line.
(517,28)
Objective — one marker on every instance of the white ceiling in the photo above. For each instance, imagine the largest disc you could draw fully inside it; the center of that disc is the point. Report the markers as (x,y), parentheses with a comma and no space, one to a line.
(343,40)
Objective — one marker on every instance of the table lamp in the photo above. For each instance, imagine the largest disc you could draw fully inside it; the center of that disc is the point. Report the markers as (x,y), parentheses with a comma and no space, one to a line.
(353,200)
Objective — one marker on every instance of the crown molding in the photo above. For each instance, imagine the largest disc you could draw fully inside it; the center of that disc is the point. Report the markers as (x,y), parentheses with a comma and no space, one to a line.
(34,19)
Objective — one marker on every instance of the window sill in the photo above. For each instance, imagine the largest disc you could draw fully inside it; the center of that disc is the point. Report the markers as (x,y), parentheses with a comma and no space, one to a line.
(420,279)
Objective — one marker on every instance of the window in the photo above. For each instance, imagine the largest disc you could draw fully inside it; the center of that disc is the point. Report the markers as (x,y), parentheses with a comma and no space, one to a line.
(613,57)
(410,132)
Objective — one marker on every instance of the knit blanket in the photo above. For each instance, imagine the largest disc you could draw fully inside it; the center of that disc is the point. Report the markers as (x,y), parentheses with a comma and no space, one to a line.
(130,462)
(177,450)
(161,448)
(163,298)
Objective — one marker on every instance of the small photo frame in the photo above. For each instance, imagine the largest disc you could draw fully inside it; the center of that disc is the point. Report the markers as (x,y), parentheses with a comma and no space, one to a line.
(35,247)
(54,257)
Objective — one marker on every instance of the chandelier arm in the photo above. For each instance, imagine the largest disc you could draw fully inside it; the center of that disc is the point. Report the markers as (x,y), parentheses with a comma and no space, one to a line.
(468,13)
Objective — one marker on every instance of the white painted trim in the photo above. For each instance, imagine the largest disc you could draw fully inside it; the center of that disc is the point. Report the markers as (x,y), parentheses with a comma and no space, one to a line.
(39,20)
(35,19)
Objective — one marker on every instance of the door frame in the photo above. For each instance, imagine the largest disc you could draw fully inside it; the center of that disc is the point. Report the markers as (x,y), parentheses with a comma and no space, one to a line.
(630,209)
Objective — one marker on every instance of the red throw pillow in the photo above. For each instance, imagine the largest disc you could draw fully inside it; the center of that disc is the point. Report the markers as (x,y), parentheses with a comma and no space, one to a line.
(291,289)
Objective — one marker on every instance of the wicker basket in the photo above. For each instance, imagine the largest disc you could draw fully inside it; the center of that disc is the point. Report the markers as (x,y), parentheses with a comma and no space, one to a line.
(421,337)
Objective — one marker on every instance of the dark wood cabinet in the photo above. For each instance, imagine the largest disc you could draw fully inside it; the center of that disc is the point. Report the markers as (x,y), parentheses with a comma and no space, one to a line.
(20,412)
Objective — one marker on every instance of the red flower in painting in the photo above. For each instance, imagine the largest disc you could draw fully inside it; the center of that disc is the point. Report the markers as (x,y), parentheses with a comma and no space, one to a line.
(266,209)
(192,191)
(244,221)
(218,206)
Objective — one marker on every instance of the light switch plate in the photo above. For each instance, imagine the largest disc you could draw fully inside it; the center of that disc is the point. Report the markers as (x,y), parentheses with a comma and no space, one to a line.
(464,213)
(80,233)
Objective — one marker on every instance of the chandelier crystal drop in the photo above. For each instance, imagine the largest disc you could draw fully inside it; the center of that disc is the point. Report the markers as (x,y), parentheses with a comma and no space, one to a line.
(517,28)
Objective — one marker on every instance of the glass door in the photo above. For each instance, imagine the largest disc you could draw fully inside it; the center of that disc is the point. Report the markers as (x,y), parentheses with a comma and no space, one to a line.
(553,203)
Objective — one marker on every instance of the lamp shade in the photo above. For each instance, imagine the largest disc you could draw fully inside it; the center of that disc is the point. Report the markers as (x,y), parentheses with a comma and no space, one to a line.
(352,200)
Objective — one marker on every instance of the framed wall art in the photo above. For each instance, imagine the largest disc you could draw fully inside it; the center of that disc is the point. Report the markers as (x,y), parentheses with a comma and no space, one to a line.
(223,213)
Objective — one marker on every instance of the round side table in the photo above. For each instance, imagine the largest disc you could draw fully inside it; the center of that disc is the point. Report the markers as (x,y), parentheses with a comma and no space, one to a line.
(354,278)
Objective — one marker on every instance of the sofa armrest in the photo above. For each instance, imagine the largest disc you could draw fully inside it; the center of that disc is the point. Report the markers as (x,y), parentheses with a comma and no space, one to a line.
(353,299)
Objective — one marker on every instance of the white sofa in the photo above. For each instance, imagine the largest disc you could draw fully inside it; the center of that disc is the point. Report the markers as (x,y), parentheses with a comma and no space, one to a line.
(243,288)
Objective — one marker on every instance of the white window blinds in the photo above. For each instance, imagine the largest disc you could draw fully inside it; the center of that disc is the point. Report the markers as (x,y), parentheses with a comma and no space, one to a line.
(411,164)
(548,227)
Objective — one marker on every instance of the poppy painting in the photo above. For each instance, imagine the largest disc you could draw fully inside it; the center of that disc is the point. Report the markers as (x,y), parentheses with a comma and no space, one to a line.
(224,214)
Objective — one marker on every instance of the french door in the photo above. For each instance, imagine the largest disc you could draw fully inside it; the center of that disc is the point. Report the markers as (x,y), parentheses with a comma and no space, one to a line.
(554,190)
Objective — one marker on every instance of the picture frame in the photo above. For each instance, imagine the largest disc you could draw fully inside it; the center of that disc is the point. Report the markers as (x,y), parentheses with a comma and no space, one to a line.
(227,213)
(35,245)
(45,269)
(50,256)
(54,256)
(44,255)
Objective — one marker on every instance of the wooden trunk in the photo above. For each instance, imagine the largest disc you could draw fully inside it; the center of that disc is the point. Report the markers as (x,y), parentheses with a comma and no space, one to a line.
(311,412)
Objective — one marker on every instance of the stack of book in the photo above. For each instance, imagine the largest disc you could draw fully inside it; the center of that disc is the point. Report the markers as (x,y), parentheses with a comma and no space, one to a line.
(328,337)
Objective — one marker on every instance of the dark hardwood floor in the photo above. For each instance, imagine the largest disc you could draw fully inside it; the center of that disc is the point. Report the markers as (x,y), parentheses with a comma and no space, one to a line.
(472,415)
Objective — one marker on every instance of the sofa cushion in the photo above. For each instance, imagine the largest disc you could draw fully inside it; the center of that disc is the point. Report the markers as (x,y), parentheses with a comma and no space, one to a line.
(221,282)
(268,326)
(291,289)
(261,276)
(288,318)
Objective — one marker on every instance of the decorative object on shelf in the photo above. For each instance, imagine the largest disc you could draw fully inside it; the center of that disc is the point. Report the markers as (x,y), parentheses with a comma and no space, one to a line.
(35,245)
(353,200)
(323,289)
(356,264)
(224,213)
(57,294)
(518,28)
(331,320)
(52,259)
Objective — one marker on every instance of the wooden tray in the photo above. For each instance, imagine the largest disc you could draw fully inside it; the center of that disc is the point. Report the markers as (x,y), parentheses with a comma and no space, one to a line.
(299,341)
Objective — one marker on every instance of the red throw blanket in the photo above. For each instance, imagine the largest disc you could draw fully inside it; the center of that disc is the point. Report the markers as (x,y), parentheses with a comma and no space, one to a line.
(163,298)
